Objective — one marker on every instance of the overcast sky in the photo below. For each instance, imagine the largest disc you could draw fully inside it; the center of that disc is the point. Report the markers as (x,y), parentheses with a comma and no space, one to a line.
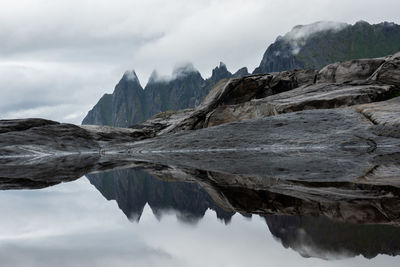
(58,57)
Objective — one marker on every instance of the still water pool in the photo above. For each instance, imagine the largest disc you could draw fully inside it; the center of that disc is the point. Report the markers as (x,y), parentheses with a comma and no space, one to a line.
(95,221)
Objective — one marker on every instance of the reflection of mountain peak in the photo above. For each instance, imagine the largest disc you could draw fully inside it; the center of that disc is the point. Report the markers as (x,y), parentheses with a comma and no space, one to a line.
(310,237)
(132,189)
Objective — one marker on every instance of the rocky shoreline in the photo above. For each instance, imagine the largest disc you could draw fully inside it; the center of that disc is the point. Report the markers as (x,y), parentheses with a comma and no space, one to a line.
(298,142)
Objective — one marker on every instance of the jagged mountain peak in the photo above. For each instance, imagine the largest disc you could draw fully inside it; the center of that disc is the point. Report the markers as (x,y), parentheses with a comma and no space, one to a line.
(362,22)
(179,72)
(183,70)
(154,77)
(130,75)
(220,72)
(241,72)
(222,65)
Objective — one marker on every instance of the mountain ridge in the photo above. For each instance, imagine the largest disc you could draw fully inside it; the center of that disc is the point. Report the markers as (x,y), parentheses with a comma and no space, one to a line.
(316,45)
(130,103)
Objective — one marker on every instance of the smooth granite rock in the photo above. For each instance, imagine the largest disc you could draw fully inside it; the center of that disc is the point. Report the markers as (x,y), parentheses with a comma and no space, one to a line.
(389,71)
(358,69)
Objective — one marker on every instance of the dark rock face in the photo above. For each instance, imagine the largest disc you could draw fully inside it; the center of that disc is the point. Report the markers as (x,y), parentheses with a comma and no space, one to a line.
(219,73)
(127,102)
(100,113)
(319,44)
(185,91)
(122,108)
(279,57)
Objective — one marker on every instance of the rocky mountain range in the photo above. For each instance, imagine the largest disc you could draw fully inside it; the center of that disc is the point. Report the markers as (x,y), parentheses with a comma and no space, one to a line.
(130,103)
(306,46)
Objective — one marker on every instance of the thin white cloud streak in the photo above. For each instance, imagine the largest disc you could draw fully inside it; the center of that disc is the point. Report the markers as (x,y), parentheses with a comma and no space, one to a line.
(298,35)
(108,38)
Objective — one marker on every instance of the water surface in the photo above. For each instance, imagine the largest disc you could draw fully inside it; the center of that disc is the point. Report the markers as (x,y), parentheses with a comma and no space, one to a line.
(130,218)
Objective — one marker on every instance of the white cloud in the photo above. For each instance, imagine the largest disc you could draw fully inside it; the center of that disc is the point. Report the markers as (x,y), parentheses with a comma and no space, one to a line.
(298,35)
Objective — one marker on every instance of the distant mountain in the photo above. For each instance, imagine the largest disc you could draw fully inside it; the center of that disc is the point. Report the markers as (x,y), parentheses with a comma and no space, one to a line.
(122,108)
(319,44)
(130,103)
